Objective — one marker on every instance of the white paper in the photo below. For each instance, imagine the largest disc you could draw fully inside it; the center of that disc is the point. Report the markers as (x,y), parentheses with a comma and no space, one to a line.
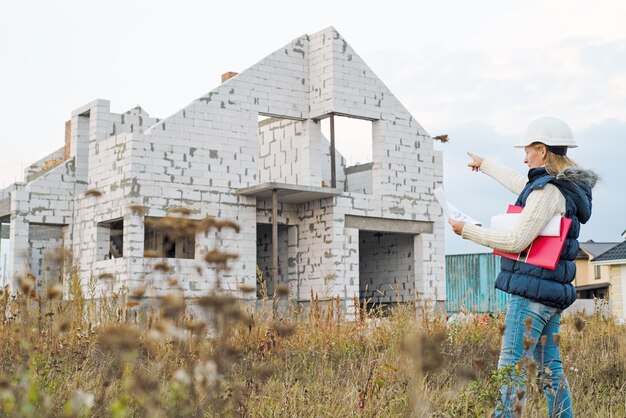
(441,198)
(507,221)
(450,210)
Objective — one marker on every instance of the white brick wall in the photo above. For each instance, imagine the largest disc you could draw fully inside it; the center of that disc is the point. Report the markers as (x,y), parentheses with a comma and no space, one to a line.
(42,240)
(359,179)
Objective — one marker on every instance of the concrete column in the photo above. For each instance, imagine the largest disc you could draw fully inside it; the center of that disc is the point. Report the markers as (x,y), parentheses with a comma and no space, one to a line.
(333,172)
(292,262)
(274,240)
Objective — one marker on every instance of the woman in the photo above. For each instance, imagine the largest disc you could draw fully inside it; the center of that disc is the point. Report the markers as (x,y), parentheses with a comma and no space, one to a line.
(555,185)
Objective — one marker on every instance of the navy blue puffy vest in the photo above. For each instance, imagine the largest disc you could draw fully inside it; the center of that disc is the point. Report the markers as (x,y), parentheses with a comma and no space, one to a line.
(550,287)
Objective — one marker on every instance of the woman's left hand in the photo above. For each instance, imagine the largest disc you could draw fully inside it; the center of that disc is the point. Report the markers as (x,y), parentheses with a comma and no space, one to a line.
(457,226)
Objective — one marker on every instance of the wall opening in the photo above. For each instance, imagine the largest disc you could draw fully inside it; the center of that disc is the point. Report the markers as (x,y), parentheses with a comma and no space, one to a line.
(353,138)
(264,258)
(601,292)
(353,152)
(111,239)
(386,267)
(162,242)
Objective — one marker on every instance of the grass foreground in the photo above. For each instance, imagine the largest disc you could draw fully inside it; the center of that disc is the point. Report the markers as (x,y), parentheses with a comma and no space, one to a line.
(127,357)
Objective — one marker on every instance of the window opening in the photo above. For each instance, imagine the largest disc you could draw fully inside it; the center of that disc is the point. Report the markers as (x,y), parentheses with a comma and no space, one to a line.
(111,239)
(353,138)
(160,241)
(353,143)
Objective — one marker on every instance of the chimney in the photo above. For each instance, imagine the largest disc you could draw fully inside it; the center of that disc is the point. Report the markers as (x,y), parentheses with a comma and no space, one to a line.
(227,76)
(68,140)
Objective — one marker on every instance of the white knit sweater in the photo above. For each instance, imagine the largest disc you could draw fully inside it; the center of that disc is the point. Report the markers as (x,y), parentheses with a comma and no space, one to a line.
(540,206)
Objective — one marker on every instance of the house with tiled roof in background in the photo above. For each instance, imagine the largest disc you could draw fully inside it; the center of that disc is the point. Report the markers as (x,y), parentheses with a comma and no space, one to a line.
(592,281)
(615,260)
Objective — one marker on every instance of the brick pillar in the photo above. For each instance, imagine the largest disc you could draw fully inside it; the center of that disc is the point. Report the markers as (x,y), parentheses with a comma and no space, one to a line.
(348,270)
(292,261)
(134,235)
(17,264)
(430,268)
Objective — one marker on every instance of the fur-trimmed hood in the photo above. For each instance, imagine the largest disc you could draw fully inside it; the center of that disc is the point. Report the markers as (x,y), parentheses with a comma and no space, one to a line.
(576,183)
(581,176)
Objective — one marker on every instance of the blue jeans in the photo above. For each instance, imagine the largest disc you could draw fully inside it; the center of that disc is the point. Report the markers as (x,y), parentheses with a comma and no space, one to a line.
(529,336)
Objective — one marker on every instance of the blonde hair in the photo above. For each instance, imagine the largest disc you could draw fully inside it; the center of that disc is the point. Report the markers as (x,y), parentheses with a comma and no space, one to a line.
(555,163)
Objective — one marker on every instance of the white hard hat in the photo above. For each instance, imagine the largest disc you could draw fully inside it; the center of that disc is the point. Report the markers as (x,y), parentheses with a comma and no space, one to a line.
(550,131)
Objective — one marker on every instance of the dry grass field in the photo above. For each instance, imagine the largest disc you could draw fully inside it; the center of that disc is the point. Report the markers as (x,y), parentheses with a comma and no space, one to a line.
(132,356)
(57,362)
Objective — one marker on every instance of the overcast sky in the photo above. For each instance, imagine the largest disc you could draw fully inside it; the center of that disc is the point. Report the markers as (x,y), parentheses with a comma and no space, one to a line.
(478,71)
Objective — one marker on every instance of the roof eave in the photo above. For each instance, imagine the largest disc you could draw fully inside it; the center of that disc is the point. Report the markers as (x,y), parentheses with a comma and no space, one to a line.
(609,262)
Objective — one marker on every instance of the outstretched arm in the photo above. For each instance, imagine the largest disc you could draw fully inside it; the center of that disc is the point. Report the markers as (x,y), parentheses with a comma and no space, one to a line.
(541,205)
(510,179)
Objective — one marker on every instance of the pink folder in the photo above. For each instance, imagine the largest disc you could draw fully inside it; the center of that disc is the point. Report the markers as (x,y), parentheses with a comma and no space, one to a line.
(543,251)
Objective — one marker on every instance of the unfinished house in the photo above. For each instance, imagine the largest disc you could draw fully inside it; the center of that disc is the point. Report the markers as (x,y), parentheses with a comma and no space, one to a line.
(252,150)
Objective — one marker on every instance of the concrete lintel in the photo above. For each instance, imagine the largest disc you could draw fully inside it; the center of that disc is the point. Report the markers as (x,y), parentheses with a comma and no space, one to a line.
(45,231)
(359,168)
(275,118)
(289,193)
(367,223)
(343,115)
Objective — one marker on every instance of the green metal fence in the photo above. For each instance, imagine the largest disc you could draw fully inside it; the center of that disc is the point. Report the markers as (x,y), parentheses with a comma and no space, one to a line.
(470,282)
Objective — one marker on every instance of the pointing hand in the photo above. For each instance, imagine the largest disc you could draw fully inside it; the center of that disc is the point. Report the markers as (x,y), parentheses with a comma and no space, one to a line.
(476,161)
